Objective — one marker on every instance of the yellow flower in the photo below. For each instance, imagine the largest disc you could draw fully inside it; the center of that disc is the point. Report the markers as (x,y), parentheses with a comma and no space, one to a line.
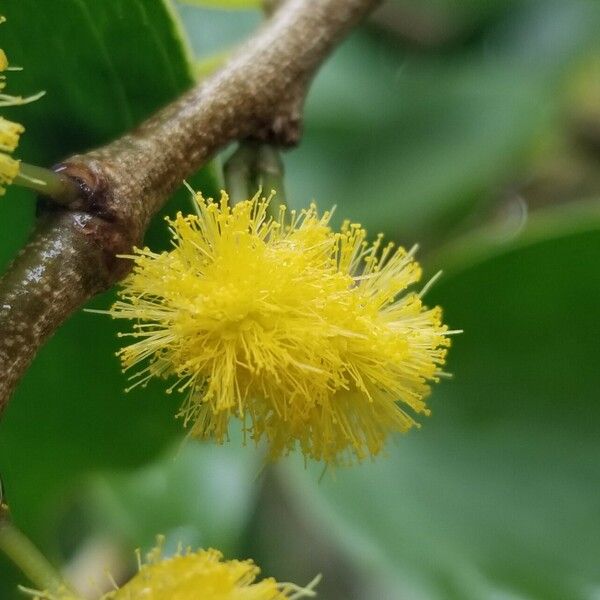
(9,169)
(9,138)
(9,131)
(303,333)
(193,576)
(3,59)
(202,574)
(9,134)
(6,100)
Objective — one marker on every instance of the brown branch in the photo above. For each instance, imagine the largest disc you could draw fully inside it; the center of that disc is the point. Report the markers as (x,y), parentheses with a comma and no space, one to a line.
(71,255)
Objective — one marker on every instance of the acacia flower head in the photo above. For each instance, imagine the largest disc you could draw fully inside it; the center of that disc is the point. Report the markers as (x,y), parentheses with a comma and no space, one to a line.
(190,575)
(9,139)
(307,335)
(193,575)
(10,132)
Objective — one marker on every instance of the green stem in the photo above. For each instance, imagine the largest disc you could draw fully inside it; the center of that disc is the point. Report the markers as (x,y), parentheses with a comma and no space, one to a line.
(238,172)
(270,172)
(252,166)
(21,551)
(48,183)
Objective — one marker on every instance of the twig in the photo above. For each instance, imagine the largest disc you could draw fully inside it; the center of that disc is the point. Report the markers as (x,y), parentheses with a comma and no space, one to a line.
(255,166)
(71,257)
(56,186)
(24,554)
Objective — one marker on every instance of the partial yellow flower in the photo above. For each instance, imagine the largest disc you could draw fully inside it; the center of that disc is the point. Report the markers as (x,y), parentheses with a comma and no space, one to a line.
(9,134)
(9,131)
(9,169)
(9,139)
(5,99)
(3,59)
(201,575)
(306,335)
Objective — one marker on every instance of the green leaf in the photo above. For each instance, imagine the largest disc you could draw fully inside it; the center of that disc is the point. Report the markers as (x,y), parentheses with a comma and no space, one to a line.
(105,66)
(196,495)
(497,495)
(409,144)
(226,4)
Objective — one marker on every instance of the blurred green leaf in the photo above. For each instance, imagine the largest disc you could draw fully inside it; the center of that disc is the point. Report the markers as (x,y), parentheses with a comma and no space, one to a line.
(225,4)
(198,494)
(458,17)
(105,66)
(213,31)
(497,495)
(410,143)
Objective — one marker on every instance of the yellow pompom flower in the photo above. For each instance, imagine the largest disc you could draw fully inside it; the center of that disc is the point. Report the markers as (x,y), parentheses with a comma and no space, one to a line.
(305,334)
(202,574)
(193,576)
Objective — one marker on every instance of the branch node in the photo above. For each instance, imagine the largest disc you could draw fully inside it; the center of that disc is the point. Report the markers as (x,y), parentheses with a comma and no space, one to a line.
(95,214)
(91,182)
(286,123)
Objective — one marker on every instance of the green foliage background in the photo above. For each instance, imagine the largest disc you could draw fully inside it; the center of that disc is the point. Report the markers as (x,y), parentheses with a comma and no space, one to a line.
(466,138)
